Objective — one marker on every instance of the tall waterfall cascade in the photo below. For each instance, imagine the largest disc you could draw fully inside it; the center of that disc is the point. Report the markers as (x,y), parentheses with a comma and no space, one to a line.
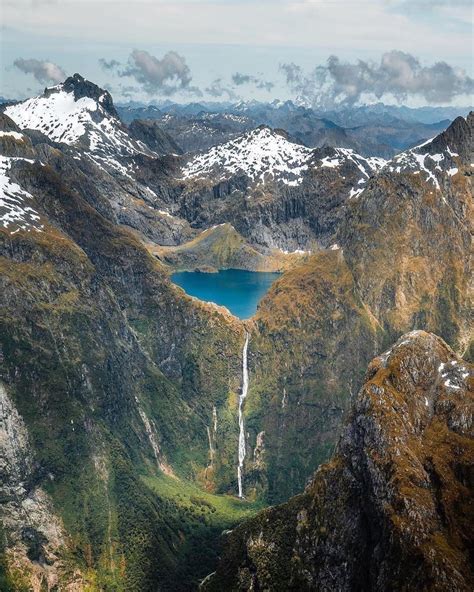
(243,395)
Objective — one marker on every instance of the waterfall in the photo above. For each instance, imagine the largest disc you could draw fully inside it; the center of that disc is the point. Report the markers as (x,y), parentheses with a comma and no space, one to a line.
(243,395)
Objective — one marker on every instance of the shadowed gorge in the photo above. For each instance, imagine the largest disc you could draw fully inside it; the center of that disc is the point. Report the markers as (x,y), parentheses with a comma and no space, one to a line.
(392,504)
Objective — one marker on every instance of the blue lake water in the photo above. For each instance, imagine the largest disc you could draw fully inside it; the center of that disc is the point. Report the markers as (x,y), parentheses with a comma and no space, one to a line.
(238,290)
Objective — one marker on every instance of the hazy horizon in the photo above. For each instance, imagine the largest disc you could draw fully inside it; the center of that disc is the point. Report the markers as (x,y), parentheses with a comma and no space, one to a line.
(322,52)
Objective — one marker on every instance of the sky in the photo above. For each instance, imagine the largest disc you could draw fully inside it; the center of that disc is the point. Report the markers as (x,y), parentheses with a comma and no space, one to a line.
(324,52)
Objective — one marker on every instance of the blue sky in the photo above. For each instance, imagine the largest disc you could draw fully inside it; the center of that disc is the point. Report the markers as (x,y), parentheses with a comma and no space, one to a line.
(218,39)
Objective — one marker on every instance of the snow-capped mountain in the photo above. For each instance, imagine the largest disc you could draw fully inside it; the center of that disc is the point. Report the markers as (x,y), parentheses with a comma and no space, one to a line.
(265,155)
(436,158)
(261,155)
(82,115)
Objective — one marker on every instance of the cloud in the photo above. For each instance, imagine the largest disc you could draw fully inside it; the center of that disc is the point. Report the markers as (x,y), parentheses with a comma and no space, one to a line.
(167,76)
(398,74)
(108,64)
(428,4)
(218,90)
(44,71)
(294,74)
(239,79)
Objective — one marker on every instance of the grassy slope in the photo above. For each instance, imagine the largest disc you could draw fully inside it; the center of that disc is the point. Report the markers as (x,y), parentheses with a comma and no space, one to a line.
(89,324)
(222,247)
(200,518)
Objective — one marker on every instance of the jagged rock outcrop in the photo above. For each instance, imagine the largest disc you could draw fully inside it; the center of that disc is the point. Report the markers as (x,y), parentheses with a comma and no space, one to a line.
(393,509)
(31,529)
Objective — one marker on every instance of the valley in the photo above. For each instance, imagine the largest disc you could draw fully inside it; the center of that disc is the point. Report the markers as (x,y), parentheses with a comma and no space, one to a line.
(145,430)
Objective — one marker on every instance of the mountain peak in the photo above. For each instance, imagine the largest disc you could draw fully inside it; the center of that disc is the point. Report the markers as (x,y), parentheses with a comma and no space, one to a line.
(457,138)
(80,113)
(257,154)
(82,88)
(441,155)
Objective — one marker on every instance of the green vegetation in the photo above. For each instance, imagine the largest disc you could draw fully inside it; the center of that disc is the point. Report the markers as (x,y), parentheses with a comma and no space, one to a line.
(198,519)
(222,247)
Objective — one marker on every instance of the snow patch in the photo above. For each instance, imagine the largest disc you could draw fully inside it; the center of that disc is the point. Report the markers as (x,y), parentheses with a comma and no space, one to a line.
(58,115)
(260,154)
(15,135)
(15,213)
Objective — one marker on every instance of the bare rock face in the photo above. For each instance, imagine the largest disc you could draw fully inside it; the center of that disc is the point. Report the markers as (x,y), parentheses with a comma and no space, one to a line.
(33,532)
(393,509)
(151,134)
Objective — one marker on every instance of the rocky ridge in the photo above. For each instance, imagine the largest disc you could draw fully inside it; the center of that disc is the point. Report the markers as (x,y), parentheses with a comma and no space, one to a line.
(82,115)
(394,505)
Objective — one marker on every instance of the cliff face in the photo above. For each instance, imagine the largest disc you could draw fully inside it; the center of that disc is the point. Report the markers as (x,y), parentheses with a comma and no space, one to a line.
(407,238)
(393,509)
(36,532)
(402,261)
(105,365)
(275,193)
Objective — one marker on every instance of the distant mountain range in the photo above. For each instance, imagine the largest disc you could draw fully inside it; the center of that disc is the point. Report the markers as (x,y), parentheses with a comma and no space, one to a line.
(373,130)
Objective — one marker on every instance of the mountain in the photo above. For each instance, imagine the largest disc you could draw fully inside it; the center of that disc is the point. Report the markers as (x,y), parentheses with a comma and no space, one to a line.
(82,115)
(98,481)
(206,130)
(120,394)
(129,113)
(257,154)
(400,260)
(393,508)
(378,113)
(373,130)
(78,133)
(152,135)
(276,193)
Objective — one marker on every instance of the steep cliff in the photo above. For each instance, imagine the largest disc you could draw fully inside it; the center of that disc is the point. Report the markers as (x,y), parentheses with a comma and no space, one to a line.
(402,261)
(113,377)
(393,509)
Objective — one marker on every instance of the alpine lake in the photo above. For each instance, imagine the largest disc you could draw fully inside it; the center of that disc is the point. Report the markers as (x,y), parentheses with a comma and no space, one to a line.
(238,290)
